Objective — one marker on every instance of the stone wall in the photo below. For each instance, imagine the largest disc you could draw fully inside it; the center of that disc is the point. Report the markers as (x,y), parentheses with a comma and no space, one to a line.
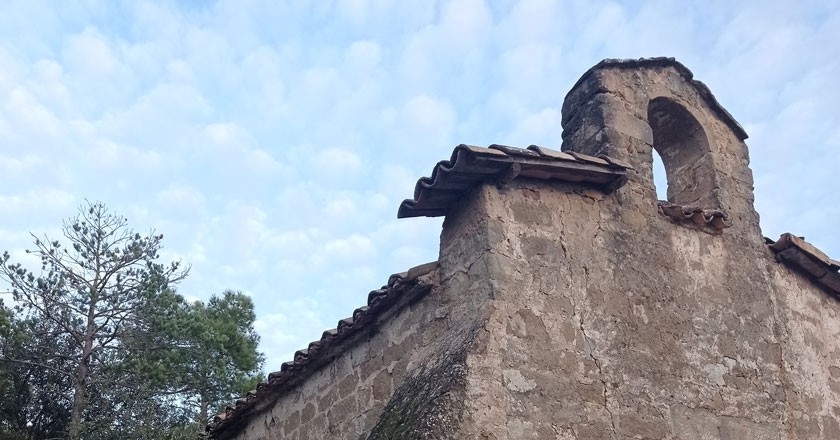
(561,312)
(600,330)
(809,326)
(405,376)
(611,320)
(406,354)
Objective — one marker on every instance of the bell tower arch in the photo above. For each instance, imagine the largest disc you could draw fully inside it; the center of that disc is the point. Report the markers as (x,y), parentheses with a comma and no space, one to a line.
(632,109)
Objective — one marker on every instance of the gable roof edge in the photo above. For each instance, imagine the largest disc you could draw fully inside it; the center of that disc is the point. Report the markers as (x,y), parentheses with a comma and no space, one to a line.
(401,289)
(470,166)
(804,257)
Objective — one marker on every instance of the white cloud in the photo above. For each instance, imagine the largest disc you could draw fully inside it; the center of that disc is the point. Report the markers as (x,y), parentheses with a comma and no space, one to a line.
(180,71)
(17,166)
(532,21)
(229,146)
(335,162)
(354,248)
(362,56)
(106,154)
(423,113)
(541,128)
(36,200)
(48,83)
(89,53)
(423,121)
(463,25)
(340,208)
(293,242)
(355,11)
(397,181)
(181,196)
(291,328)
(224,135)
(29,116)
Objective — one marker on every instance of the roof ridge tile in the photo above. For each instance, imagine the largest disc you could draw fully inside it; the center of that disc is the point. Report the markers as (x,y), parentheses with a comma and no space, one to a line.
(800,255)
(469,166)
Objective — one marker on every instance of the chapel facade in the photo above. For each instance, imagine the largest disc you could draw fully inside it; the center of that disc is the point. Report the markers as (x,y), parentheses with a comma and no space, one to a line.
(569,303)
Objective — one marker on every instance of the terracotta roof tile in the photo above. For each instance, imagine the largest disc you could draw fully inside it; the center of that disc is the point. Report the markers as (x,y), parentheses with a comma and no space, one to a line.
(515,151)
(470,166)
(554,154)
(713,218)
(587,158)
(803,256)
(332,342)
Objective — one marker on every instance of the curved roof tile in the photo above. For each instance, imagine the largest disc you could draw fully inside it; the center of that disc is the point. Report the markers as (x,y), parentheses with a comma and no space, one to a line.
(806,258)
(471,165)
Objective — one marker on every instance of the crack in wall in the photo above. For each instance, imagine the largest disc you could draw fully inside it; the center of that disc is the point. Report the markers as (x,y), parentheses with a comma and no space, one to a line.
(589,347)
(784,380)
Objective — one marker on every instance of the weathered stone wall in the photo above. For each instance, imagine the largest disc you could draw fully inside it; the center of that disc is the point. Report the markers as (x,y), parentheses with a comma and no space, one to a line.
(660,331)
(611,321)
(416,353)
(561,312)
(604,330)
(344,398)
(809,326)
(405,377)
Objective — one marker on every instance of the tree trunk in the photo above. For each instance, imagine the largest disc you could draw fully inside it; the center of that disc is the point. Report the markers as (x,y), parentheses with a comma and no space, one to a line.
(82,373)
(202,417)
(78,403)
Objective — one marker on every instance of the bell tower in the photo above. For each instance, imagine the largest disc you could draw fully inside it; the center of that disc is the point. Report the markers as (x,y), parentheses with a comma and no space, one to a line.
(632,109)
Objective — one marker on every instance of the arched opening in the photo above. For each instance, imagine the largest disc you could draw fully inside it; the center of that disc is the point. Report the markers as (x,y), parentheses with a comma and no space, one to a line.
(684,150)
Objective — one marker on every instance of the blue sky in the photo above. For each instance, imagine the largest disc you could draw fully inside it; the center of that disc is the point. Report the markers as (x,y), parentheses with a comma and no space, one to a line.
(272,141)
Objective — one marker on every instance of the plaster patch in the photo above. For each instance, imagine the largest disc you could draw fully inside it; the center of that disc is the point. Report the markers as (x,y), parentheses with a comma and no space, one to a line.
(716,372)
(639,310)
(515,381)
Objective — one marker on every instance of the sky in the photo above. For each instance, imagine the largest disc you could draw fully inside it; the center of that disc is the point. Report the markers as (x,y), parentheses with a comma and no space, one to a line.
(271,142)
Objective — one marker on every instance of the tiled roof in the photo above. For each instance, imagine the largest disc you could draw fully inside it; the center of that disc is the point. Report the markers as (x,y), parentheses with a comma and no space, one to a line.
(469,166)
(701,88)
(332,343)
(803,256)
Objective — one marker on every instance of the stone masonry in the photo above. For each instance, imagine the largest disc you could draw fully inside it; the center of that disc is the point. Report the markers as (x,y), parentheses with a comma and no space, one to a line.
(569,303)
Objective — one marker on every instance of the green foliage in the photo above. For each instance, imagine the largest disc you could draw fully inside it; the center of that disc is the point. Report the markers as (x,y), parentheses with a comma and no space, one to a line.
(249,384)
(203,353)
(99,346)
(14,391)
(33,400)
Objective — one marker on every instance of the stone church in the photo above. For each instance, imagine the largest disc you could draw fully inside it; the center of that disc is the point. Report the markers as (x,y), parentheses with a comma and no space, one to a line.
(569,303)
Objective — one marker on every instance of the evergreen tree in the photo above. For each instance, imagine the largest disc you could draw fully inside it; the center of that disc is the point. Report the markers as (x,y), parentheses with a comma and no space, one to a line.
(99,346)
(85,300)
